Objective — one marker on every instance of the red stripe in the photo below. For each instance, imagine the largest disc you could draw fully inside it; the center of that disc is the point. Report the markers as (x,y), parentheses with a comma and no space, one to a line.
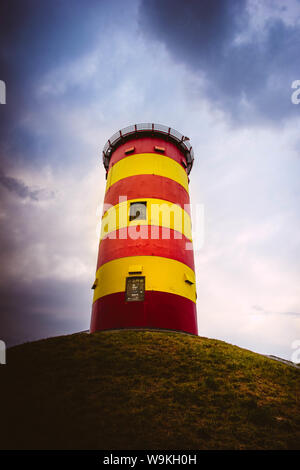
(148,186)
(146,145)
(124,245)
(158,310)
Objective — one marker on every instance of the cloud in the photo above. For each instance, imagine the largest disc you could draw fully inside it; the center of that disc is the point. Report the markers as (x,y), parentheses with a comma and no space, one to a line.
(248,65)
(263,311)
(23,191)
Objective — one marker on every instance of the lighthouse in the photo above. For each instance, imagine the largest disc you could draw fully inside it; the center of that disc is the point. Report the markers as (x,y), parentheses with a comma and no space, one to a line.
(145,274)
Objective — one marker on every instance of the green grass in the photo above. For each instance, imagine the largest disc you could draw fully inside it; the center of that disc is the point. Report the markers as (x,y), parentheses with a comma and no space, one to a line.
(135,389)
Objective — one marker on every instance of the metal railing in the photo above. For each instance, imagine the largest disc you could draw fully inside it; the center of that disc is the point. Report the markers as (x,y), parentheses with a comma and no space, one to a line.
(155,129)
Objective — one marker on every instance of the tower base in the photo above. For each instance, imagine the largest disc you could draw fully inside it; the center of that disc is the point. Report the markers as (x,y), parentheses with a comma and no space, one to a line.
(159,310)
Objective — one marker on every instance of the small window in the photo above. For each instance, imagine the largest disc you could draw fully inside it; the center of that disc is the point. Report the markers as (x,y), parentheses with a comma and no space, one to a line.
(135,289)
(138,211)
(129,150)
(159,149)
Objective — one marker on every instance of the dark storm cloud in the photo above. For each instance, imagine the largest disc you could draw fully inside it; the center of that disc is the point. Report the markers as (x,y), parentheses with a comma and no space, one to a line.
(36,36)
(23,191)
(45,309)
(35,304)
(204,35)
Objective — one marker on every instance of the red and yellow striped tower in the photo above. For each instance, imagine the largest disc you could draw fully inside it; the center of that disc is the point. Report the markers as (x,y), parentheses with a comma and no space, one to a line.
(145,274)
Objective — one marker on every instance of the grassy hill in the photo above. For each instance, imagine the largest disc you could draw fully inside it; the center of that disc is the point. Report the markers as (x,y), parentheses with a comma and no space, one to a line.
(146,390)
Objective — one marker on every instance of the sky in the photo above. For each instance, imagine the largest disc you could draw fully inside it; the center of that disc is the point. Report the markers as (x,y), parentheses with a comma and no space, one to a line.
(220,72)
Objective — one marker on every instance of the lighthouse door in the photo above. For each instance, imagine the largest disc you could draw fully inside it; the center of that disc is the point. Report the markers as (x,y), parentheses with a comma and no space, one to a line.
(135,288)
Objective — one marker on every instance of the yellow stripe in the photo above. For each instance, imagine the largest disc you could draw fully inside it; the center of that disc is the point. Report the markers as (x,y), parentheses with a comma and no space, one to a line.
(161,274)
(147,164)
(159,212)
